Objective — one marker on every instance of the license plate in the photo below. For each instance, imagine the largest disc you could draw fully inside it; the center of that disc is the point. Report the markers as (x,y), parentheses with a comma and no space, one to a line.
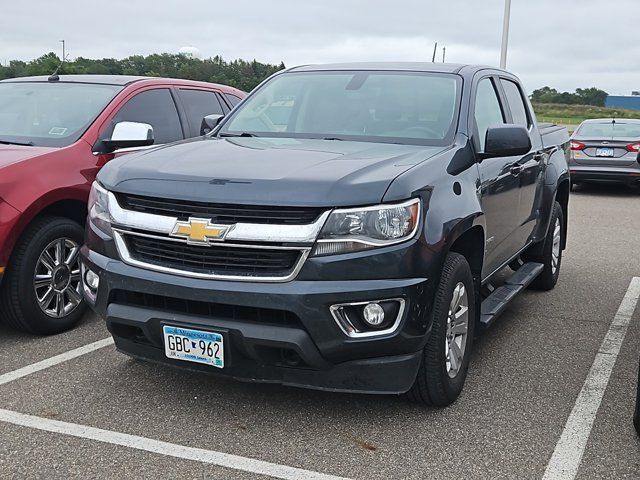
(604,152)
(194,346)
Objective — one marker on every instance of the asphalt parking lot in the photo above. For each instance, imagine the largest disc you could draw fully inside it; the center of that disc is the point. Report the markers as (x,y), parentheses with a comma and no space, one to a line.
(526,375)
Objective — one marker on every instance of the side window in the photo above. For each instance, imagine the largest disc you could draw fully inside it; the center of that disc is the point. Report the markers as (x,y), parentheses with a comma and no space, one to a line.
(198,104)
(516,103)
(232,99)
(225,103)
(157,108)
(487,110)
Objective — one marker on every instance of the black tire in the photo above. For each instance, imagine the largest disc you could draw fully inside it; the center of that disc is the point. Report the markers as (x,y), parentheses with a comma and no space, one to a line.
(18,303)
(433,385)
(543,253)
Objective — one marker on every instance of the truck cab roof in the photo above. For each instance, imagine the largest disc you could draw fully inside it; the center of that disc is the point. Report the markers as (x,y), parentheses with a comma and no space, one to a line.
(430,67)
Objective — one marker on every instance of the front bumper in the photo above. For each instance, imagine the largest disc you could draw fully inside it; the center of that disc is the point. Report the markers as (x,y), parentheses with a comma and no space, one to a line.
(600,174)
(309,349)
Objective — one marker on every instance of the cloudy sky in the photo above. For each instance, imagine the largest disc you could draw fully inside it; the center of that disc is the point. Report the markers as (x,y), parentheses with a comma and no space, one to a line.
(561,43)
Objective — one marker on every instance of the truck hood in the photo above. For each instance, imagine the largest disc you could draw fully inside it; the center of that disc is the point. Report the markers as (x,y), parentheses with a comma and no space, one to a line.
(10,154)
(266,171)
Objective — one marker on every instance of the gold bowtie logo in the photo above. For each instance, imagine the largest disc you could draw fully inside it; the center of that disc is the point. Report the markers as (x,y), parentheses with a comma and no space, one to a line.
(200,231)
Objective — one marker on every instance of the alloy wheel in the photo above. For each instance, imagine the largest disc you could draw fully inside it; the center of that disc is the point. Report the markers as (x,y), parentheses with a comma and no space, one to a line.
(555,248)
(457,328)
(56,278)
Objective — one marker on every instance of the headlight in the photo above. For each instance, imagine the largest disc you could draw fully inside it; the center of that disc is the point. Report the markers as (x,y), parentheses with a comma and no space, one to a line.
(355,229)
(99,208)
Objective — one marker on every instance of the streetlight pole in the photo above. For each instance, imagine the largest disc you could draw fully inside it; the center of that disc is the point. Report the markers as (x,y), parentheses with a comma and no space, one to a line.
(505,34)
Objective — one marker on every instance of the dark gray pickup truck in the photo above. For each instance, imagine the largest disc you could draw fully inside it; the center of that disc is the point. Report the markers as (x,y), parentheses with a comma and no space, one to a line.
(346,227)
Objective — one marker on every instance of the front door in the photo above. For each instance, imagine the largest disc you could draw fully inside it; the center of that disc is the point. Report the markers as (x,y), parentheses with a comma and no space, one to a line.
(499,182)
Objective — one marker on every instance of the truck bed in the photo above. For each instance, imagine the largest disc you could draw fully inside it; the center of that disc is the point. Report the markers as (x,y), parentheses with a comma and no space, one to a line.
(553,135)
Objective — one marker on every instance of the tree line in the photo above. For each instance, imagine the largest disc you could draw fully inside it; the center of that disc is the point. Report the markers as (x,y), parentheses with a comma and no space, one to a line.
(582,96)
(241,74)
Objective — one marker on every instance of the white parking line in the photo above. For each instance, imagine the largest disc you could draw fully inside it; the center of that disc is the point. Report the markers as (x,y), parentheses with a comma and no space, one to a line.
(567,455)
(220,459)
(50,362)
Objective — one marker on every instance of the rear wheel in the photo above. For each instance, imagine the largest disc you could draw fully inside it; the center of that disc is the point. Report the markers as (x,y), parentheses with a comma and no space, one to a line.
(445,358)
(41,291)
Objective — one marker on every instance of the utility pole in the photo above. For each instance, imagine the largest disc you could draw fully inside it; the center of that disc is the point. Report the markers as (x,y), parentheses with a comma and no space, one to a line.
(63,50)
(435,49)
(505,33)
(444,52)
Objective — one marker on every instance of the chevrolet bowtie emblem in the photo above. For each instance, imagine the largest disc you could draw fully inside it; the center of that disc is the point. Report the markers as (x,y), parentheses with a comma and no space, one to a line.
(200,231)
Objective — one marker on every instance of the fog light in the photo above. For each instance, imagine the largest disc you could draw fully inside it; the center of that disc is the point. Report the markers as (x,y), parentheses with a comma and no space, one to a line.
(92,280)
(90,284)
(369,318)
(373,314)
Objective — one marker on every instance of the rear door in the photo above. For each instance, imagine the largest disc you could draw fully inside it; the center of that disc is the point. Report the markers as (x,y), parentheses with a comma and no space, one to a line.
(197,104)
(232,99)
(529,169)
(500,187)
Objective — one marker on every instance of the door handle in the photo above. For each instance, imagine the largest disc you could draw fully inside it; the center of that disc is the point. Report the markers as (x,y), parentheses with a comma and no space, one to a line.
(516,170)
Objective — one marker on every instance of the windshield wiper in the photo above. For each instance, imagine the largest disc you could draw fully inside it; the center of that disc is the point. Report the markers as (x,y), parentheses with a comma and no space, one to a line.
(243,134)
(23,144)
(333,139)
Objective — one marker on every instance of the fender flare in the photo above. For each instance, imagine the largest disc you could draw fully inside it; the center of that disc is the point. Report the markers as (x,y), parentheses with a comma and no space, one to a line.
(36,207)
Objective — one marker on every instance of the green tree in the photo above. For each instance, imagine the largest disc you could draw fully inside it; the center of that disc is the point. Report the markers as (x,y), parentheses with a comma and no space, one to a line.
(592,96)
(241,74)
(582,96)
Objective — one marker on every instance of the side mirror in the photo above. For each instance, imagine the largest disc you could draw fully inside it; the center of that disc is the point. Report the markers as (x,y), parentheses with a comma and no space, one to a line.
(210,122)
(506,141)
(128,135)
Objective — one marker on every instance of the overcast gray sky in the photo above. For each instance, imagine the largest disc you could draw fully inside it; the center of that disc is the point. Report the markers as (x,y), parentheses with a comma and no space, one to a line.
(561,43)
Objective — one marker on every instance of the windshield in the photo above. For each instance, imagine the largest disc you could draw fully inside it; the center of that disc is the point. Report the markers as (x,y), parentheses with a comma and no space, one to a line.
(52,114)
(395,107)
(610,130)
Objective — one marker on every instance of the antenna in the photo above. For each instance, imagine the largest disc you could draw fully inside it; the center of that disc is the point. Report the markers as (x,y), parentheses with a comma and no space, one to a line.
(54,77)
(435,49)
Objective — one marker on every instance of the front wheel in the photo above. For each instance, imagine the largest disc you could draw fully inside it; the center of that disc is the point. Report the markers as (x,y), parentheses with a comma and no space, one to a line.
(445,358)
(550,253)
(41,291)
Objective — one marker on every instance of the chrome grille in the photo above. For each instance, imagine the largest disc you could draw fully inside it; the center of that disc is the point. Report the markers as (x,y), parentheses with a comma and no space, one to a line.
(255,249)
(214,260)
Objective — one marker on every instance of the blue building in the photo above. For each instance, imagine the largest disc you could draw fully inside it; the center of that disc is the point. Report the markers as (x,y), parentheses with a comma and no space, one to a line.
(630,102)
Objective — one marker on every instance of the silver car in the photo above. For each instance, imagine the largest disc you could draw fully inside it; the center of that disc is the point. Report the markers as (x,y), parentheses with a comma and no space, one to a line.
(606,150)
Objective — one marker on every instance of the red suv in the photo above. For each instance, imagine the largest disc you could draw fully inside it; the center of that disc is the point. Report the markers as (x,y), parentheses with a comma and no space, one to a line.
(55,134)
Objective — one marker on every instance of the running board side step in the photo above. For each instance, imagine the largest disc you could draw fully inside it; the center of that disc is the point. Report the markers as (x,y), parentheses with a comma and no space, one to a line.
(497,301)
